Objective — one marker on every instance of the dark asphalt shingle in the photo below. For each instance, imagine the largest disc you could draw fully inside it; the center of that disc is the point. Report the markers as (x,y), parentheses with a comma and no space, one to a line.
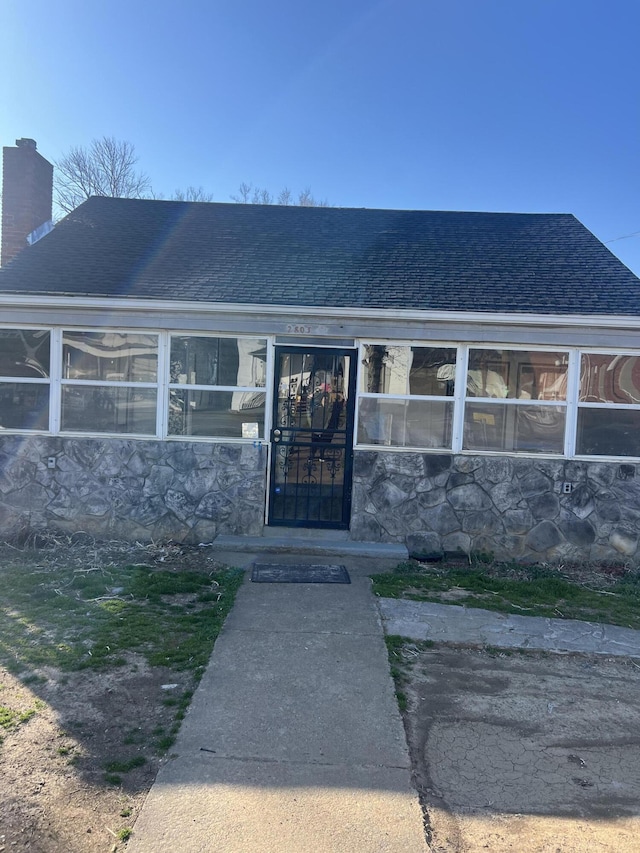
(266,254)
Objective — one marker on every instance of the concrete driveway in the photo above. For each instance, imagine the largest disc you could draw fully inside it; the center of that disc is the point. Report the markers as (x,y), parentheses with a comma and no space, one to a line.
(526,752)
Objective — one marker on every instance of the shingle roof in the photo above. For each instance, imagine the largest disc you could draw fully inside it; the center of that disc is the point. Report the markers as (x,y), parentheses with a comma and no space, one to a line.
(271,255)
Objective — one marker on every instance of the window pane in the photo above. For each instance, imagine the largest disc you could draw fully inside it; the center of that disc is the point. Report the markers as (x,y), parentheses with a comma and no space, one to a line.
(87,408)
(218,361)
(608,432)
(609,379)
(537,429)
(110,356)
(517,374)
(405,423)
(428,371)
(217,413)
(24,406)
(24,353)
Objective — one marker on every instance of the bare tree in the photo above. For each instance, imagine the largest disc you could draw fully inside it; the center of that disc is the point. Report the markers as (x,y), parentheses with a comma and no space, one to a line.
(106,168)
(244,194)
(192,194)
(285,197)
(306,199)
(250,194)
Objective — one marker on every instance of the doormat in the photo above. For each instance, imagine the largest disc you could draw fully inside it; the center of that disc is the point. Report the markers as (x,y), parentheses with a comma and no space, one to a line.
(276,573)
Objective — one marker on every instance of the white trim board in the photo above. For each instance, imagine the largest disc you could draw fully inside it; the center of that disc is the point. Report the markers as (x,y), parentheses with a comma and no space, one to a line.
(299,312)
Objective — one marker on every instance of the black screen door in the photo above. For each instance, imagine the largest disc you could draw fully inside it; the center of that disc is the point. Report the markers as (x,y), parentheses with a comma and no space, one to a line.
(312,437)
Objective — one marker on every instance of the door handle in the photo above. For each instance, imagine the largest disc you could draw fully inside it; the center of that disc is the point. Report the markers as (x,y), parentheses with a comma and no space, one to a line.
(276,436)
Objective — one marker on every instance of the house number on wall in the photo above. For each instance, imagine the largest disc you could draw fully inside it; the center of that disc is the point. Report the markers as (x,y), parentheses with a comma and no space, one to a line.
(298,330)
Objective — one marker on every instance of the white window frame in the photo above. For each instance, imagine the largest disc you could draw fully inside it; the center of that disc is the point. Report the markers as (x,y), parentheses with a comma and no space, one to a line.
(460,398)
(608,406)
(360,394)
(28,380)
(514,401)
(102,383)
(266,389)
(55,382)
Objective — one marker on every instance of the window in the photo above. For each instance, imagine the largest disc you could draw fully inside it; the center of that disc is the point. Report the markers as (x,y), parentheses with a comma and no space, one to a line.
(109,382)
(24,378)
(115,382)
(406,396)
(609,405)
(516,401)
(217,386)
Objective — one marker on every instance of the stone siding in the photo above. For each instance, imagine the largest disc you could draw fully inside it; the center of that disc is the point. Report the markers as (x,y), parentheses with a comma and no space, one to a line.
(512,507)
(190,492)
(129,489)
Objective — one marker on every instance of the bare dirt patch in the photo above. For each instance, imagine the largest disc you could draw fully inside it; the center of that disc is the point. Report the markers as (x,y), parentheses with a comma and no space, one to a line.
(523,752)
(56,793)
(80,749)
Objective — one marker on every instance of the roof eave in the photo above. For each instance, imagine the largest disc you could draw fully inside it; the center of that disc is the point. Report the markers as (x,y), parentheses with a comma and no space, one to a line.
(162,306)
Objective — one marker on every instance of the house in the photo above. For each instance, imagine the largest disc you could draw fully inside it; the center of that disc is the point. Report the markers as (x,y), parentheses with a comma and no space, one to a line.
(455,381)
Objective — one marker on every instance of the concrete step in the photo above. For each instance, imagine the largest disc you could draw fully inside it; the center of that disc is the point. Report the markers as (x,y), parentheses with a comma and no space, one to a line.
(313,542)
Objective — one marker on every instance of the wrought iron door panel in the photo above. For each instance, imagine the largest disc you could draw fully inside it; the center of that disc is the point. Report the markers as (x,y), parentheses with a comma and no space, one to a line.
(312,438)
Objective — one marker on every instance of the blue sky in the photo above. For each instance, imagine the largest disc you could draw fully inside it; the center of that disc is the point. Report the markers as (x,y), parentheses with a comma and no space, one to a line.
(508,105)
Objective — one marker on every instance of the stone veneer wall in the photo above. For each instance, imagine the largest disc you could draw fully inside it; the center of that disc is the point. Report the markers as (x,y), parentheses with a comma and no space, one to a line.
(191,492)
(125,489)
(512,507)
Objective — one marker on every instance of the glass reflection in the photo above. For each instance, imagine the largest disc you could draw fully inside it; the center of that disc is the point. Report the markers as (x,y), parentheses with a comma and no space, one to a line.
(535,429)
(110,409)
(608,432)
(405,423)
(110,356)
(609,378)
(517,374)
(24,405)
(237,414)
(24,353)
(218,361)
(403,370)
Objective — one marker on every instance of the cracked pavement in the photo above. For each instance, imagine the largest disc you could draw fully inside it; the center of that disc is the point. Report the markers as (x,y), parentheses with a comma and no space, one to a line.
(525,751)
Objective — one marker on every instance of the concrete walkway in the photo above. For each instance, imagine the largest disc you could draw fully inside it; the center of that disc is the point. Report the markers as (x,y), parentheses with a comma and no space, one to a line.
(293,742)
(446,623)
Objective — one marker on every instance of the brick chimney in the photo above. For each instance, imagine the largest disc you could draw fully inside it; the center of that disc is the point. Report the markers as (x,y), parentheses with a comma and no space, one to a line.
(27,196)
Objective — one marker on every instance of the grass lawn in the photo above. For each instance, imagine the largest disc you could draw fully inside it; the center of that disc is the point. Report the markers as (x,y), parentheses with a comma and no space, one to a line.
(608,594)
(70,609)
(73,618)
(101,648)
